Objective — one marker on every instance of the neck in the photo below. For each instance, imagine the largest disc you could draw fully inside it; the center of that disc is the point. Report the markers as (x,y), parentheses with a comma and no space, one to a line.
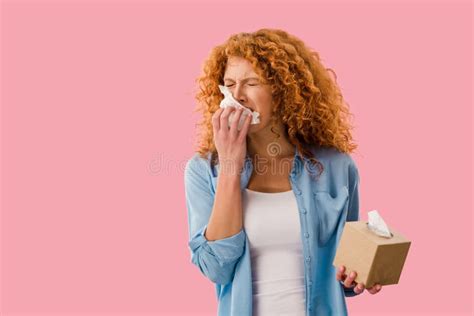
(265,144)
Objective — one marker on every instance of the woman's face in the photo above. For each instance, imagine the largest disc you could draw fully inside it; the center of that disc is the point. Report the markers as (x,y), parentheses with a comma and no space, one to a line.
(248,88)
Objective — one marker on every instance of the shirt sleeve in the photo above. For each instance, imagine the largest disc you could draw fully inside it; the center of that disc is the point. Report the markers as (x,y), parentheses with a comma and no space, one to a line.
(215,259)
(348,291)
(353,210)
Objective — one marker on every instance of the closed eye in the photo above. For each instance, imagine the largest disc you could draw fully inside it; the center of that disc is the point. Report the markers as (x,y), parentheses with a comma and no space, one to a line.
(252,85)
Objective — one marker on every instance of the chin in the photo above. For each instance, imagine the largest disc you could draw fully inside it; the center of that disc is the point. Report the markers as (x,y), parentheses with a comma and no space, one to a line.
(255,128)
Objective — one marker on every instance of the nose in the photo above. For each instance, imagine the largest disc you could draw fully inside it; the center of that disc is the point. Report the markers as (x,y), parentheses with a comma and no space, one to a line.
(239,94)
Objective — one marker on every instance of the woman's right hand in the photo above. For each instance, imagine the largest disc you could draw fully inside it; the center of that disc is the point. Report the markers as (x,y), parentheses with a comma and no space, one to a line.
(231,144)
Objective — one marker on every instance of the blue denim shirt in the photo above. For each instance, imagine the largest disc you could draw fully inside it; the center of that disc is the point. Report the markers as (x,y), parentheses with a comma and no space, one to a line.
(324,205)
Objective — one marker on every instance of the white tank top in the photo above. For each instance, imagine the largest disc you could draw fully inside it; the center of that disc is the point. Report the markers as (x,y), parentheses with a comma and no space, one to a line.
(272,225)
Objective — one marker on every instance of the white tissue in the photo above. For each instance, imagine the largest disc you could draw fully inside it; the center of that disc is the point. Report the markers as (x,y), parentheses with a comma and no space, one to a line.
(230,101)
(377,225)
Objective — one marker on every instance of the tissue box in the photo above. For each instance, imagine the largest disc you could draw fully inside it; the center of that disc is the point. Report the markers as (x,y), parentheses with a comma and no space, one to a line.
(376,259)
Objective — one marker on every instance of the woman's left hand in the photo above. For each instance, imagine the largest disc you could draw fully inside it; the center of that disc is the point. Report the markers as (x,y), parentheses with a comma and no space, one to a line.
(350,283)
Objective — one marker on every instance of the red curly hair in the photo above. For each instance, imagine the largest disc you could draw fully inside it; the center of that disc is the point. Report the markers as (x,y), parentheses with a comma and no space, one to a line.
(307,99)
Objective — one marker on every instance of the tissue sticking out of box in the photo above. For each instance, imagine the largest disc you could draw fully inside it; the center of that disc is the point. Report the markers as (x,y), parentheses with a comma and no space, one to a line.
(229,100)
(377,225)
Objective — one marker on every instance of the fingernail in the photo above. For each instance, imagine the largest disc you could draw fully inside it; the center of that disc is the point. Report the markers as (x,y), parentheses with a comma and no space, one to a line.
(352,274)
(379,287)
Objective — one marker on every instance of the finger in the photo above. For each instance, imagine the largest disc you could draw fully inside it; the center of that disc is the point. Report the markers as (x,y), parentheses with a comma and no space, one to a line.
(340,273)
(224,119)
(245,128)
(375,289)
(235,122)
(216,120)
(348,282)
(359,288)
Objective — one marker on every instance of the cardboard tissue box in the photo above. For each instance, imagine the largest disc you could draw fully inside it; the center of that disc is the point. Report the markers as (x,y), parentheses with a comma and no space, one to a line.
(374,251)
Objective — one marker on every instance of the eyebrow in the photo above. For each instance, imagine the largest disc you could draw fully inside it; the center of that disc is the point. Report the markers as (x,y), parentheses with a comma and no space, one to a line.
(245,79)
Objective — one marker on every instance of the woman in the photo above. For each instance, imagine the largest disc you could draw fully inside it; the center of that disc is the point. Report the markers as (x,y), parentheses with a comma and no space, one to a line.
(267,203)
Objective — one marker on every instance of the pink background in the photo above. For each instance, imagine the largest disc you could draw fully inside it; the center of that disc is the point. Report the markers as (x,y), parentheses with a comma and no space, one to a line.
(97,125)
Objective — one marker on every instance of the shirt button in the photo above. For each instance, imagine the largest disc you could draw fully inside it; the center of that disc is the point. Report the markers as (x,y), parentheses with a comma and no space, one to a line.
(308,259)
(310,283)
(303,211)
(306,235)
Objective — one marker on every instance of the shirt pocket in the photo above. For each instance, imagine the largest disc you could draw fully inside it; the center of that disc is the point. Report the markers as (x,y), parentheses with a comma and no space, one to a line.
(328,210)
